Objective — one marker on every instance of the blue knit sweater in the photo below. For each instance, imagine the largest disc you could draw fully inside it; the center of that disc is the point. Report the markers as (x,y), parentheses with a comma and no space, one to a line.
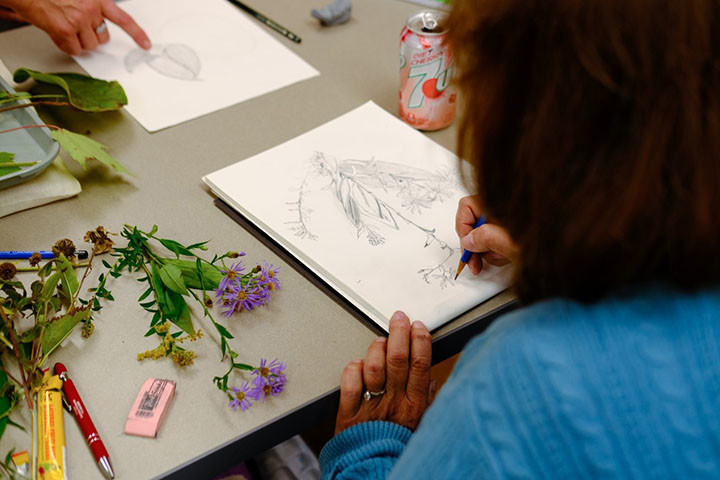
(625,388)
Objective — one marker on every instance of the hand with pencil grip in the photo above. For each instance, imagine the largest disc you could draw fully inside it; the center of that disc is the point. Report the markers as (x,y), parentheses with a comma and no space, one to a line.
(74,25)
(392,382)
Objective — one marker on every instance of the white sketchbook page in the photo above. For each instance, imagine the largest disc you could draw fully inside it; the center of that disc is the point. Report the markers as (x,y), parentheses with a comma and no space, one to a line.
(350,199)
(206,56)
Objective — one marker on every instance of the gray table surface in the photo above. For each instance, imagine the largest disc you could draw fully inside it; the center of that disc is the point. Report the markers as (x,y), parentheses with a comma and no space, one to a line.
(303,326)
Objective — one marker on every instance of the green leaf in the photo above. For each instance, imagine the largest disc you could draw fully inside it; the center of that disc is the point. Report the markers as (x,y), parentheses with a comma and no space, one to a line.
(84,93)
(174,246)
(3,422)
(58,330)
(243,366)
(171,276)
(6,157)
(182,314)
(50,285)
(223,331)
(158,286)
(200,245)
(67,275)
(82,148)
(30,334)
(211,275)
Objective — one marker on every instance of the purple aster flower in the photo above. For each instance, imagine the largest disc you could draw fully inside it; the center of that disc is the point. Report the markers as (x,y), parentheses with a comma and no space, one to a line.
(231,276)
(268,277)
(228,303)
(246,297)
(276,368)
(277,384)
(270,385)
(241,397)
(269,379)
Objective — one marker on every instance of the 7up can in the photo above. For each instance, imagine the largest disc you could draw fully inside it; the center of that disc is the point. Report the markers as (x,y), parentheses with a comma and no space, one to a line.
(427,100)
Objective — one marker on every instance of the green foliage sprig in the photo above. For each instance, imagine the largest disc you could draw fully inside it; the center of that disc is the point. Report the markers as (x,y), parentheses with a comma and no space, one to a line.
(53,304)
(170,282)
(74,90)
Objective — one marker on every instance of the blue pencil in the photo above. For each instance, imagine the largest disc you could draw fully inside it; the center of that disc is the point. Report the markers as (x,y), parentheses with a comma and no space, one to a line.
(467,253)
(20,254)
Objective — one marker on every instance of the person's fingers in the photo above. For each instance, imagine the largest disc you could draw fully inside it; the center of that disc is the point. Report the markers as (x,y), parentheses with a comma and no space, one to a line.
(68,44)
(496,259)
(374,365)
(490,237)
(468,211)
(9,14)
(475,264)
(88,39)
(398,352)
(118,16)
(420,361)
(351,389)
(103,36)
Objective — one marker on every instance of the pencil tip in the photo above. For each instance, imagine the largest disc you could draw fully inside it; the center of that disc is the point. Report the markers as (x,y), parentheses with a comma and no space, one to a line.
(461,265)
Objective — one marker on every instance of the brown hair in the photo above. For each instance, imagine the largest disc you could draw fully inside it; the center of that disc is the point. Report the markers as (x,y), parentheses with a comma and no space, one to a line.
(594,131)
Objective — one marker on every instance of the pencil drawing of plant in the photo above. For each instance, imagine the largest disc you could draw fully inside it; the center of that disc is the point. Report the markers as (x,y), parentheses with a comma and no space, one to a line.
(175,60)
(357,185)
(300,225)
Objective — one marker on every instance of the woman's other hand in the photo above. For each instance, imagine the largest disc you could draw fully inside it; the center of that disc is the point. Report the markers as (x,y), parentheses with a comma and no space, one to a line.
(397,370)
(76,25)
(490,240)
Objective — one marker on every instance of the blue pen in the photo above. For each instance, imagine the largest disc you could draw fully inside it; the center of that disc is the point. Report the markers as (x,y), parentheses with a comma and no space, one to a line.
(19,254)
(467,253)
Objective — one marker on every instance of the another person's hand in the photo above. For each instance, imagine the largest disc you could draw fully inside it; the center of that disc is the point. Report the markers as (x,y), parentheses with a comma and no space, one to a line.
(397,370)
(75,25)
(492,241)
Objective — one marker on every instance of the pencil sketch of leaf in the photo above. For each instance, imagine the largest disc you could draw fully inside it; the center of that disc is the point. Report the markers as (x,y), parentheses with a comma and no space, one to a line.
(175,60)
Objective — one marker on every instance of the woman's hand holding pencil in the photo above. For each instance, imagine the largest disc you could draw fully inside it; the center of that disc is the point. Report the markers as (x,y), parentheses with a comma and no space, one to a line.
(490,240)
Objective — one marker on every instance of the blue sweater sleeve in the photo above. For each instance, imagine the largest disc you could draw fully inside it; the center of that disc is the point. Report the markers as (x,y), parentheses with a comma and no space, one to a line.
(364,451)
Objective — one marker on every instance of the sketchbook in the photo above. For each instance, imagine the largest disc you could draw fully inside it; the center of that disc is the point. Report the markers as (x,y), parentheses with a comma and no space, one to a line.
(205,56)
(366,203)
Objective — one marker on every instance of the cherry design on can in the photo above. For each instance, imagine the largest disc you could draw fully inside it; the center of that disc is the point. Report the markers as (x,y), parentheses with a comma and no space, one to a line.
(426,95)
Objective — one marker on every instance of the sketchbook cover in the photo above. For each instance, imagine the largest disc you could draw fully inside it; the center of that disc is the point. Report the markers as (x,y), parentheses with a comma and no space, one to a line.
(368,204)
(205,56)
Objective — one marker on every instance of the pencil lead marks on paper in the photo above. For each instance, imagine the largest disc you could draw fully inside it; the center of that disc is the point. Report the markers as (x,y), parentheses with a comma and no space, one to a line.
(378,198)
(174,60)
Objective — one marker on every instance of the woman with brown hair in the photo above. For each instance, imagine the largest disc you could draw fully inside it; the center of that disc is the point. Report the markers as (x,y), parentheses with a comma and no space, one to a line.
(593,130)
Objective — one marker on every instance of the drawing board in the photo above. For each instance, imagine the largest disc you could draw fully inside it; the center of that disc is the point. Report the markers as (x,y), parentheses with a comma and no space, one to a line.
(368,204)
(205,56)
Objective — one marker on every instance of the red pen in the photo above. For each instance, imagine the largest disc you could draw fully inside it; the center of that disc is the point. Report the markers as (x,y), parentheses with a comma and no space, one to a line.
(86,425)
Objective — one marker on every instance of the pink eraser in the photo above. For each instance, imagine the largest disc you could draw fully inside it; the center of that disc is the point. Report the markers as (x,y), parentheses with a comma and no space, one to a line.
(150,406)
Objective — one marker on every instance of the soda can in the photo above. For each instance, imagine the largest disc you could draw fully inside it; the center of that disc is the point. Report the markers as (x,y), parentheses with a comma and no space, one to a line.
(427,97)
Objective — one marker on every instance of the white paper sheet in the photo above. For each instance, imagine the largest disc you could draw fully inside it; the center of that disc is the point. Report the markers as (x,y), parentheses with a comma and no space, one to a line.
(206,56)
(367,203)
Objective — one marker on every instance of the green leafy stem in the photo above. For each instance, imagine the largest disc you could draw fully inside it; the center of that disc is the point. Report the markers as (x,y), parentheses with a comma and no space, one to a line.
(74,90)
(170,283)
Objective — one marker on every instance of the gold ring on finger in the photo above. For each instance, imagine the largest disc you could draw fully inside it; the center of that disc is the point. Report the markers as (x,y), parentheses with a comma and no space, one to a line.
(368,394)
